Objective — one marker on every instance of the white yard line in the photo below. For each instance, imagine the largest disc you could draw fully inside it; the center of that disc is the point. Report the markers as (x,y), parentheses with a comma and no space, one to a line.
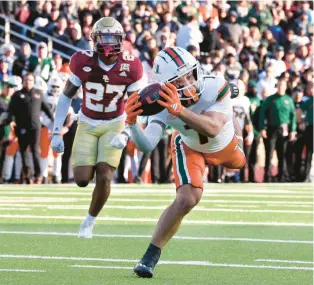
(188,263)
(9,199)
(201,264)
(284,261)
(149,236)
(21,270)
(101,267)
(149,220)
(14,209)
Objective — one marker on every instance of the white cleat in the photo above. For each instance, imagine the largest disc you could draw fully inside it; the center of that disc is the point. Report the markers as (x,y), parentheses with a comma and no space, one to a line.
(86,230)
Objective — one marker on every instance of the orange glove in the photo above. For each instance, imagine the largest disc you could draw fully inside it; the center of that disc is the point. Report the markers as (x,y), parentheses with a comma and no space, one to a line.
(130,107)
(172,101)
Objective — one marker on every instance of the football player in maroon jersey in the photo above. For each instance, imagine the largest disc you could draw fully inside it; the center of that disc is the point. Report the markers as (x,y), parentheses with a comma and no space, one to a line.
(106,75)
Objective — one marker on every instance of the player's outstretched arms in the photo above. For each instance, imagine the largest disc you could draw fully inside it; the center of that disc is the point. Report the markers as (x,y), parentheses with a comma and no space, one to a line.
(62,109)
(208,124)
(146,140)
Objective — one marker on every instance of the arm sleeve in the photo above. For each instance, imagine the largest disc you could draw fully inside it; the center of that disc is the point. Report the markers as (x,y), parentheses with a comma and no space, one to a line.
(146,140)
(62,109)
(293,120)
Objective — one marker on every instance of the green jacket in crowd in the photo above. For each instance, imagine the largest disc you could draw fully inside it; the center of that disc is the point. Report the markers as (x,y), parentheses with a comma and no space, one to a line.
(254,113)
(307,108)
(277,110)
(39,67)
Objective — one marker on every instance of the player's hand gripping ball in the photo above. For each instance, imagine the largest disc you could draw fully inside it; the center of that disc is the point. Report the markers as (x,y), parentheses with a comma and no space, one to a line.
(148,98)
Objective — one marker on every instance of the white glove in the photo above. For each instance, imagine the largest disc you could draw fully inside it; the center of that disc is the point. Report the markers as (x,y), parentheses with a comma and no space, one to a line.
(120,141)
(57,143)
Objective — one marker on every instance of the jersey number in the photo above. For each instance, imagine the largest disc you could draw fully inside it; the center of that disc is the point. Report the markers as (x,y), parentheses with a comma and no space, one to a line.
(92,99)
(203,139)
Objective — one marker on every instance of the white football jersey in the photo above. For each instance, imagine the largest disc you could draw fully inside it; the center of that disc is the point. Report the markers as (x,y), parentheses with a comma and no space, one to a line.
(216,98)
(52,102)
(241,110)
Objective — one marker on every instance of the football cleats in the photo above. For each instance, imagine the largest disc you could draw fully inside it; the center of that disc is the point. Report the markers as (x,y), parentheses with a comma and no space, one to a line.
(108,36)
(179,67)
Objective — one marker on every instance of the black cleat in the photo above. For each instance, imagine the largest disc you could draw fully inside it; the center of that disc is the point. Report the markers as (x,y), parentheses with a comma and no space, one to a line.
(141,270)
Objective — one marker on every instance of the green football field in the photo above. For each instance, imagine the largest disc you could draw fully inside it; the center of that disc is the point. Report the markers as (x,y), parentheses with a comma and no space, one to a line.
(252,234)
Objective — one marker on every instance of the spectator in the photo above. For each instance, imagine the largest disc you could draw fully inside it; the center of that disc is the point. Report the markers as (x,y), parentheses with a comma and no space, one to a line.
(4,69)
(267,80)
(279,113)
(307,108)
(42,65)
(277,62)
(53,19)
(69,11)
(232,30)
(233,67)
(185,10)
(190,34)
(260,16)
(76,38)
(295,149)
(22,56)
(211,40)
(8,51)
(167,21)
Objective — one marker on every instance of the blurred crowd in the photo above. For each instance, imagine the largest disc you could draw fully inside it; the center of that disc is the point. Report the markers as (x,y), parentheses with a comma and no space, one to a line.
(265,47)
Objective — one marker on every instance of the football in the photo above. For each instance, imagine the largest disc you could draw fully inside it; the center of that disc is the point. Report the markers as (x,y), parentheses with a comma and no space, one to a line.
(148,97)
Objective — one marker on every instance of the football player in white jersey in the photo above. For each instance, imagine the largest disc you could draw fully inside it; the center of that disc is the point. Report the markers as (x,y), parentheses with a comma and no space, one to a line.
(241,109)
(199,109)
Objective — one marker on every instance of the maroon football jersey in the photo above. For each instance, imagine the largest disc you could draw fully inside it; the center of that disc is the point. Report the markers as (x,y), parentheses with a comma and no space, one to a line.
(103,91)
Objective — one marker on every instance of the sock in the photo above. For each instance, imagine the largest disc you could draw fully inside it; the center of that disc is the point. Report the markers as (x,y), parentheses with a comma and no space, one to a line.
(8,166)
(57,164)
(44,166)
(89,219)
(18,166)
(151,256)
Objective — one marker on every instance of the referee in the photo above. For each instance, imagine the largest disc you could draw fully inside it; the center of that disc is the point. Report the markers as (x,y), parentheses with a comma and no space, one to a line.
(25,106)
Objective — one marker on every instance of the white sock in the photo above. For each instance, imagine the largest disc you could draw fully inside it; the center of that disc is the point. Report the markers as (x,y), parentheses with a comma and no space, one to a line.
(44,167)
(57,164)
(18,165)
(8,166)
(89,219)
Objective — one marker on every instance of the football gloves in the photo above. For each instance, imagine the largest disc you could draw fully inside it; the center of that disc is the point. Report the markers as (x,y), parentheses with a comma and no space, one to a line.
(172,101)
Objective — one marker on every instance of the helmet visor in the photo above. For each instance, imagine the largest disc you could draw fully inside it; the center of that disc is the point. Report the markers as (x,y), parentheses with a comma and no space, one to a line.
(108,39)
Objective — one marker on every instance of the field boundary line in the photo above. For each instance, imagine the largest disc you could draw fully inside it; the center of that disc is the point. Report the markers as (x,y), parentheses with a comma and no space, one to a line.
(21,270)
